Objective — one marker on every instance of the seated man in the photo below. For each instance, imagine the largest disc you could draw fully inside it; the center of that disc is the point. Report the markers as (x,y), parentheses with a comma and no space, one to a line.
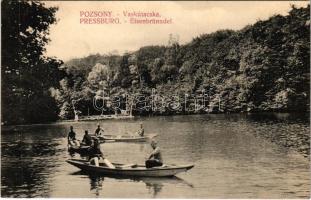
(72,138)
(155,159)
(99,130)
(141,131)
(96,152)
(87,139)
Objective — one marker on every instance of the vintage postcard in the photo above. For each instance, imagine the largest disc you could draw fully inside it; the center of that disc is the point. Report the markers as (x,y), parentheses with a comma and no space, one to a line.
(155,99)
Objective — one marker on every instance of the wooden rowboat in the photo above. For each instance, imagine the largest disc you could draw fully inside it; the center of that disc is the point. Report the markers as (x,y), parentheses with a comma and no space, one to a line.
(130,170)
(83,150)
(125,138)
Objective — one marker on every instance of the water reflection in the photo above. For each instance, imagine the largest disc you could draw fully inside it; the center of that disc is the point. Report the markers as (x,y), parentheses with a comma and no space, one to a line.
(24,167)
(23,149)
(96,183)
(154,185)
(273,118)
(231,159)
(26,176)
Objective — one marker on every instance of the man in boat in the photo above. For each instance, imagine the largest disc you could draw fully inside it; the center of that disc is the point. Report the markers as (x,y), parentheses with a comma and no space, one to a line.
(87,139)
(155,158)
(141,131)
(99,130)
(72,138)
(96,152)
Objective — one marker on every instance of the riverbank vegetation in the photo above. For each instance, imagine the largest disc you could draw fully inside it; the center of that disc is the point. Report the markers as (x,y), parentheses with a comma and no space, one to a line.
(262,67)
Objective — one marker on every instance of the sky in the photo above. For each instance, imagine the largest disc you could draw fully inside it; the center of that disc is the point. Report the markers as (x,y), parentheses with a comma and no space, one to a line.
(71,39)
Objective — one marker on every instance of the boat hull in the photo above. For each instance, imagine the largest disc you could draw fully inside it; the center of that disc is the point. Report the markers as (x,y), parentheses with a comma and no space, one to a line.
(104,117)
(83,150)
(139,171)
(126,138)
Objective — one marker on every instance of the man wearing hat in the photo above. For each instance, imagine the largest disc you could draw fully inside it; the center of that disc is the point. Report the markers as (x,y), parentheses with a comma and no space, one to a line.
(155,158)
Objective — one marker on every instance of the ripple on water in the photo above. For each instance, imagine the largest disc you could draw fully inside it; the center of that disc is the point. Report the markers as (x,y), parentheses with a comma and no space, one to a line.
(231,159)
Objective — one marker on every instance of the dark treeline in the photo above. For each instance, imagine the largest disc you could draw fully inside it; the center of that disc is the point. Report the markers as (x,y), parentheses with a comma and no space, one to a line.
(26,74)
(263,67)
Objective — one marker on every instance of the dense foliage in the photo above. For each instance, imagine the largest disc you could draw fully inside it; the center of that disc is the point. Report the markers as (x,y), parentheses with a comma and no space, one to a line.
(27,75)
(263,67)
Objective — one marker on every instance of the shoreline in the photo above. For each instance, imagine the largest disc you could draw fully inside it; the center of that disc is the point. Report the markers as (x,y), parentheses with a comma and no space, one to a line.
(300,142)
(157,115)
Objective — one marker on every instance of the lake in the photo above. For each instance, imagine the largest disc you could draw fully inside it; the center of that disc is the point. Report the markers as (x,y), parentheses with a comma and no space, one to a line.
(231,159)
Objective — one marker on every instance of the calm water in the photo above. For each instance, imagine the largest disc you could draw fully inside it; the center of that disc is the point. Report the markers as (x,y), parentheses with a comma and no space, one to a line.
(231,160)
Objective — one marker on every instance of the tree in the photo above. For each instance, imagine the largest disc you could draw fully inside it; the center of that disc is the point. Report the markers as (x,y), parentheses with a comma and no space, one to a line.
(262,67)
(121,77)
(99,77)
(27,74)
